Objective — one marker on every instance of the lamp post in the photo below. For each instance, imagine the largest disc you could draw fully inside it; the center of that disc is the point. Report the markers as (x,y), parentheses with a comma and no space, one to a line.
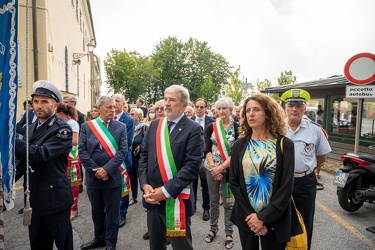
(76,61)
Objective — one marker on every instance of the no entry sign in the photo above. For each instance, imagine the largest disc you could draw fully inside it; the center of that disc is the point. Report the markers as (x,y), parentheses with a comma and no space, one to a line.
(360,69)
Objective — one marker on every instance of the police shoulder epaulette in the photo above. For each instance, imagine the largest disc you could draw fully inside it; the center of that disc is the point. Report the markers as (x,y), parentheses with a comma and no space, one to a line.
(53,120)
(317,124)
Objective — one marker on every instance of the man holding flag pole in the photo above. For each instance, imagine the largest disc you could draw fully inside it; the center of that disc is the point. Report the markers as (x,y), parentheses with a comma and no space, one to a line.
(168,165)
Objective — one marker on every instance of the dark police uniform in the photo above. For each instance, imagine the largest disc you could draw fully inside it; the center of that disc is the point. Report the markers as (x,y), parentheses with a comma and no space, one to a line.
(50,192)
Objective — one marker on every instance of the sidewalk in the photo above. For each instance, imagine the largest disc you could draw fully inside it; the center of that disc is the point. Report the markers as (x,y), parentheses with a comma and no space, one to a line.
(130,236)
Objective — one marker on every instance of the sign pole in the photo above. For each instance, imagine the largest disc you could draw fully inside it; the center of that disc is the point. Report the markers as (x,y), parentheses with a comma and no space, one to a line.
(358,125)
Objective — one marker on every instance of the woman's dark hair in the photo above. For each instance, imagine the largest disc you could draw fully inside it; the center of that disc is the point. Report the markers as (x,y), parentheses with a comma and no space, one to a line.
(68,110)
(275,115)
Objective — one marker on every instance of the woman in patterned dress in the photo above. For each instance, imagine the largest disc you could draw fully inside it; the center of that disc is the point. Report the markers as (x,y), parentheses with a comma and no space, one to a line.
(261,175)
(217,168)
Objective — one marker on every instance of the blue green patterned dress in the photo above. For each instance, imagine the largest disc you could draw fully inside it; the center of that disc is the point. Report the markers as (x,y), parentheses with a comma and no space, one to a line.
(259,167)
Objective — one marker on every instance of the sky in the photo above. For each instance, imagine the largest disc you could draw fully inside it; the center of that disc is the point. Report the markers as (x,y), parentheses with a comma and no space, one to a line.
(312,38)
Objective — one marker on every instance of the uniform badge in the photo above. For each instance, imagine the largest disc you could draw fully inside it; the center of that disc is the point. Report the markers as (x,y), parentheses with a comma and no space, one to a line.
(307,148)
(63,133)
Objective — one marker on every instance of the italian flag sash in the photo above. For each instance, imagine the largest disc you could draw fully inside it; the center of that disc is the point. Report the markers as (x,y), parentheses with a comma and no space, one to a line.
(110,146)
(73,169)
(224,149)
(175,208)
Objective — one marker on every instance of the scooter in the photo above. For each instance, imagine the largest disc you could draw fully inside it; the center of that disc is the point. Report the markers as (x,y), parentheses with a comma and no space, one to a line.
(355,181)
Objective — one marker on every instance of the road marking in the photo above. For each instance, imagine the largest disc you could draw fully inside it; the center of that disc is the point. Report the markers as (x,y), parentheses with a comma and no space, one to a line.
(362,237)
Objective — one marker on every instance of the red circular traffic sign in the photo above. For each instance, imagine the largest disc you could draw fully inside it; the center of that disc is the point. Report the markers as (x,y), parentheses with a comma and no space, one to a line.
(360,69)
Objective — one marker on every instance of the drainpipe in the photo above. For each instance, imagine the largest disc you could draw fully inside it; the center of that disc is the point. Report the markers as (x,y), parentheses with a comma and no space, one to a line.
(35,42)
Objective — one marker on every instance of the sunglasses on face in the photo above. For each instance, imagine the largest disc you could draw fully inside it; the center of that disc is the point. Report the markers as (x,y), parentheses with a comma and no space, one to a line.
(161,109)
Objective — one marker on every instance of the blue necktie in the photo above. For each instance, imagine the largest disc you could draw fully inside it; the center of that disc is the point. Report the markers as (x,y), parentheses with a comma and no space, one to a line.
(170,124)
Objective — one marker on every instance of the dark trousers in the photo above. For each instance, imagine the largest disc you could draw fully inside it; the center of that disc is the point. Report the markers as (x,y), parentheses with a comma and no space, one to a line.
(133,175)
(44,230)
(124,205)
(105,209)
(205,195)
(250,241)
(157,231)
(304,194)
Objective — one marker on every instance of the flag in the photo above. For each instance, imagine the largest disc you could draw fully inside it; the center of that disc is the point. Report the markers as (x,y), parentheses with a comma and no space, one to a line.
(8,95)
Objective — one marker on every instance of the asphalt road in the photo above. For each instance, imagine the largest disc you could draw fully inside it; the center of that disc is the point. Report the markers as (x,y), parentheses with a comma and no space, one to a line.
(334,228)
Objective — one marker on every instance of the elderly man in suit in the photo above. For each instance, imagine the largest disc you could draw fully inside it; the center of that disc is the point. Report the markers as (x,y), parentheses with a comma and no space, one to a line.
(50,195)
(103,147)
(202,119)
(168,165)
(123,117)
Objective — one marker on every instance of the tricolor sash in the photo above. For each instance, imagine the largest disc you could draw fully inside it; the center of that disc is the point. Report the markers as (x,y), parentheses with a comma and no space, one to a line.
(73,168)
(110,146)
(224,149)
(175,208)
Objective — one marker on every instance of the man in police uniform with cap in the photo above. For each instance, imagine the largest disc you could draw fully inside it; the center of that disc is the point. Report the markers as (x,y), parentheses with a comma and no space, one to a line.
(311,148)
(49,144)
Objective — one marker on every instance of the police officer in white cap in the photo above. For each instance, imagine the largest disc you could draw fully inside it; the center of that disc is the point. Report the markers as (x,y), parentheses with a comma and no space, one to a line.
(50,194)
(311,147)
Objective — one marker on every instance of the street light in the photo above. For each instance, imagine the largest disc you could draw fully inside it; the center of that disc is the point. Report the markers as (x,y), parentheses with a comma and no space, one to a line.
(90,46)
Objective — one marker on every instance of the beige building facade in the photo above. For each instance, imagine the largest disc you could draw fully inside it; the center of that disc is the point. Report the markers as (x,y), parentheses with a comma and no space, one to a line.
(57,43)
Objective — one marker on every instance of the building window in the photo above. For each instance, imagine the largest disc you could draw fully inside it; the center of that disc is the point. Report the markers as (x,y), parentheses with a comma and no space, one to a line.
(80,19)
(66,70)
(77,9)
(344,119)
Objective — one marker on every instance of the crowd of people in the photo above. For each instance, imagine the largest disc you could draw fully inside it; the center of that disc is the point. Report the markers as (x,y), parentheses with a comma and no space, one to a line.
(252,158)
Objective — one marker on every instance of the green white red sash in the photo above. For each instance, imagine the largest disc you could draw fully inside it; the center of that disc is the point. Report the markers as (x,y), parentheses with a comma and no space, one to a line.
(110,146)
(225,152)
(221,138)
(73,169)
(175,208)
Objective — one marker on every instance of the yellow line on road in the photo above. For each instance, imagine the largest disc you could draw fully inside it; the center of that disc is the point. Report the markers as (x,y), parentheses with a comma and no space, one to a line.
(363,238)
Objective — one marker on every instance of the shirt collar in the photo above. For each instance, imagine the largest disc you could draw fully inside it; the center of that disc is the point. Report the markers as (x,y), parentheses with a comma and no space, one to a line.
(178,118)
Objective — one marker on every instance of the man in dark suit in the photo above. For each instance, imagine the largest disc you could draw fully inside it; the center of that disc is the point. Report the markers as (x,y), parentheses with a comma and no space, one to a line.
(21,125)
(168,165)
(99,140)
(50,193)
(202,119)
(130,125)
(139,104)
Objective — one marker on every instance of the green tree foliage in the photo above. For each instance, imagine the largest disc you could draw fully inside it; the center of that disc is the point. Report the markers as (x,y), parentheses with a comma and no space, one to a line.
(168,57)
(208,90)
(143,83)
(233,89)
(120,70)
(189,64)
(287,78)
(261,85)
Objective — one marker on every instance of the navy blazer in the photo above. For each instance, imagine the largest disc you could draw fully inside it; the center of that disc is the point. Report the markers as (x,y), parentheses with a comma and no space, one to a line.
(207,120)
(187,142)
(130,125)
(93,155)
(21,125)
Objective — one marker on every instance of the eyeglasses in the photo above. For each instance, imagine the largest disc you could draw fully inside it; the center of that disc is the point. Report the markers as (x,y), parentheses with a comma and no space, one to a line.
(200,107)
(161,109)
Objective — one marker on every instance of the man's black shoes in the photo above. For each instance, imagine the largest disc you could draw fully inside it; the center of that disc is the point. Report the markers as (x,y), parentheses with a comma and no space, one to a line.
(206,215)
(93,244)
(122,221)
